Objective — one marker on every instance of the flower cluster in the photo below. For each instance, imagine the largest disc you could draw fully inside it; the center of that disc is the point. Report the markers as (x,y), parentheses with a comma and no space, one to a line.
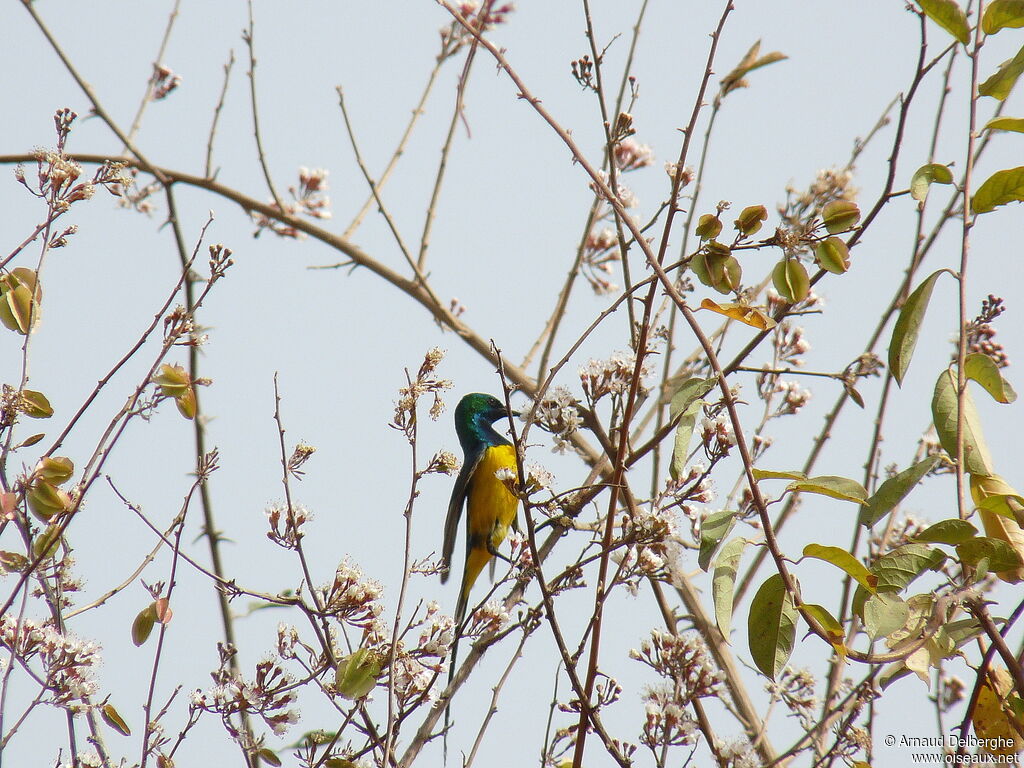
(612,376)
(795,689)
(666,721)
(684,660)
(443,462)
(308,198)
(717,436)
(164,81)
(269,696)
(352,599)
(286,524)
(425,383)
(794,397)
(558,414)
(629,155)
(625,195)
(600,250)
(68,662)
(980,333)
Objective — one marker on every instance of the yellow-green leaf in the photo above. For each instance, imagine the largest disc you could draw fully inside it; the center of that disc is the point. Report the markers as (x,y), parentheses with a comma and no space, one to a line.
(55,469)
(829,485)
(839,216)
(999,85)
(1000,554)
(723,583)
(894,490)
(113,718)
(1015,124)
(750,218)
(842,559)
(925,176)
(982,369)
(832,255)
(1000,14)
(771,626)
(1000,188)
(830,624)
(994,494)
(713,530)
(268,756)
(944,414)
(884,614)
(35,405)
(953,532)
(791,280)
(142,626)
(357,674)
(708,226)
(755,317)
(948,15)
(767,474)
(908,327)
(46,543)
(686,403)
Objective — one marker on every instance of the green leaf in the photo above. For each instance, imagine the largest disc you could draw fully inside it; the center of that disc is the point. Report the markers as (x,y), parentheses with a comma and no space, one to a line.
(895,570)
(925,176)
(708,226)
(723,583)
(113,718)
(951,532)
(839,216)
(357,674)
(771,626)
(982,369)
(143,624)
(750,218)
(829,623)
(999,85)
(908,327)
(829,485)
(842,559)
(1015,124)
(948,15)
(35,405)
(767,474)
(884,614)
(686,403)
(267,756)
(1000,188)
(894,490)
(1000,555)
(944,413)
(791,280)
(832,255)
(713,530)
(1000,14)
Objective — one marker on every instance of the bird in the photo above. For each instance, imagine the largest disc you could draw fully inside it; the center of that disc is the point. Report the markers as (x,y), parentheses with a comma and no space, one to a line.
(490,506)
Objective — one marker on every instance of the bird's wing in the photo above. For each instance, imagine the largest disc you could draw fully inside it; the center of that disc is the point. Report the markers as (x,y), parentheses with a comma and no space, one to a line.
(455,505)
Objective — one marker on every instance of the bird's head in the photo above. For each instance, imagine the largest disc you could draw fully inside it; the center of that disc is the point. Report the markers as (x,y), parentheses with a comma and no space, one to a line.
(474,415)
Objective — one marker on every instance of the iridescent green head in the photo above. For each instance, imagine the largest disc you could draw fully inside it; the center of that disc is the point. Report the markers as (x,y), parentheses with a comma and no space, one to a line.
(474,416)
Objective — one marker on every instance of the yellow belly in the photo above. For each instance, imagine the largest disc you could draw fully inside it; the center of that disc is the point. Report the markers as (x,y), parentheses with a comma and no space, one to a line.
(491,509)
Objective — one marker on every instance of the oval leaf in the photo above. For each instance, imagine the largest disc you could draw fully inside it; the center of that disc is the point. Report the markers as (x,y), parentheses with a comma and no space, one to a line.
(686,402)
(999,85)
(35,405)
(944,413)
(952,532)
(746,314)
(767,474)
(1000,14)
(948,15)
(1000,188)
(143,625)
(1000,554)
(712,531)
(832,255)
(844,560)
(771,626)
(884,614)
(908,327)
(723,583)
(925,176)
(791,280)
(113,718)
(1015,124)
(894,490)
(829,485)
(839,216)
(982,369)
